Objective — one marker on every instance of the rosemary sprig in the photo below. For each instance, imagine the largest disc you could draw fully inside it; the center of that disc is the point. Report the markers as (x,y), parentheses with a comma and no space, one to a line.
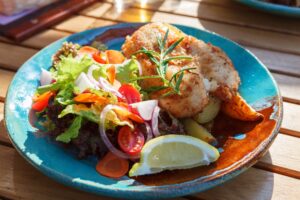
(161,60)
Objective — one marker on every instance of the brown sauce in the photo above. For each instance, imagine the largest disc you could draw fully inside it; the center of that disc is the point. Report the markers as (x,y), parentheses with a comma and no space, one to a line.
(224,129)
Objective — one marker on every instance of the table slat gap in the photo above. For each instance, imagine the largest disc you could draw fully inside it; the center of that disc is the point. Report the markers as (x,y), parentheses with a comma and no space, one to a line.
(287,73)
(190,197)
(277,169)
(291,100)
(290,132)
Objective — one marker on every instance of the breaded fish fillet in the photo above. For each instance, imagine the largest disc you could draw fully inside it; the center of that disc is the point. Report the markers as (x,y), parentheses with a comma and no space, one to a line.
(214,73)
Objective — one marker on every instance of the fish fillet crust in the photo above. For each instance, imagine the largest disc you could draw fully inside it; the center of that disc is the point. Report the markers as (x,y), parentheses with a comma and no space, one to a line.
(214,73)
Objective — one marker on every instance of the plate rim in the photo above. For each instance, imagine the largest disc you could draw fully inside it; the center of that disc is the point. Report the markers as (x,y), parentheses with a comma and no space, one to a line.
(272,8)
(164,191)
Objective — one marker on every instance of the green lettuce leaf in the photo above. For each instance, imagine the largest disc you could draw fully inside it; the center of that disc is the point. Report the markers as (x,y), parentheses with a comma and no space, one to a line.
(80,110)
(65,95)
(129,71)
(69,68)
(99,72)
(46,88)
(72,132)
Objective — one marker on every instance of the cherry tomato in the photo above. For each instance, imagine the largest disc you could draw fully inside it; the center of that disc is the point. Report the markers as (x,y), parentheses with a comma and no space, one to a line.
(131,142)
(41,102)
(100,57)
(131,94)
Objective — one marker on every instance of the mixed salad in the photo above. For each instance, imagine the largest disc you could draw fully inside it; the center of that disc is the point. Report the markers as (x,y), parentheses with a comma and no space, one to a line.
(91,100)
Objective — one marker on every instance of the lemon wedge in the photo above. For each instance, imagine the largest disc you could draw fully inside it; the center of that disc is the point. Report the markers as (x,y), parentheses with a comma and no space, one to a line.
(173,152)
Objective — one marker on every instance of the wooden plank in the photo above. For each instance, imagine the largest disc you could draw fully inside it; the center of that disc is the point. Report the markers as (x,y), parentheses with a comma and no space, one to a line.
(19,180)
(81,23)
(129,15)
(12,56)
(284,152)
(278,61)
(291,117)
(44,38)
(5,79)
(289,86)
(244,35)
(97,9)
(226,14)
(255,184)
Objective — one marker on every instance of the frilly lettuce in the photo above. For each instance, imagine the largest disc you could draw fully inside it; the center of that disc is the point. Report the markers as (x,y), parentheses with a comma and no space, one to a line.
(72,132)
(128,72)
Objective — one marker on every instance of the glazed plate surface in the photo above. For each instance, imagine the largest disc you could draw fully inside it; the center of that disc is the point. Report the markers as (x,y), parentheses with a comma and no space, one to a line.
(238,153)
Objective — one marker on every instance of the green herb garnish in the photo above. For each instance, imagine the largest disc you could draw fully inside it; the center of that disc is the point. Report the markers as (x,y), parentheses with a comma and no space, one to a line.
(161,60)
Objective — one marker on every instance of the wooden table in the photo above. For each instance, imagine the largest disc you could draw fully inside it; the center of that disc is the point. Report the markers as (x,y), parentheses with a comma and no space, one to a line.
(275,40)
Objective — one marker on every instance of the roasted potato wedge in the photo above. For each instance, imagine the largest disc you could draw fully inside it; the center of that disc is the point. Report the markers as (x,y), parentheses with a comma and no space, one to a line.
(238,108)
(198,131)
(209,112)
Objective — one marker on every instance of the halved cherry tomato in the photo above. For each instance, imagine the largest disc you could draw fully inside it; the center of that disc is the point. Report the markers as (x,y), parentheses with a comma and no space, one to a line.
(100,57)
(131,142)
(112,166)
(131,94)
(114,57)
(41,102)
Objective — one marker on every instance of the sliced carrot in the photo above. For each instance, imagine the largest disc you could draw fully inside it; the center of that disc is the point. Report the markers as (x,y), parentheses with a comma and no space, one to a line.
(89,98)
(111,74)
(43,96)
(87,50)
(114,57)
(124,114)
(112,166)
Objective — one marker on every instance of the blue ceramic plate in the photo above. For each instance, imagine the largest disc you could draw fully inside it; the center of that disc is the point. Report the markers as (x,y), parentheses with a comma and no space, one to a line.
(272,8)
(258,88)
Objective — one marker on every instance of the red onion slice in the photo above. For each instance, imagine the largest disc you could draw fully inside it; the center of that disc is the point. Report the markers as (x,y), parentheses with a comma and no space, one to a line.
(154,122)
(106,86)
(90,74)
(104,137)
(149,132)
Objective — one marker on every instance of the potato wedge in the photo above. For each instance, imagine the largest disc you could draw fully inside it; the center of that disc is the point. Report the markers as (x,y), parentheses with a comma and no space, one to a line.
(209,112)
(198,131)
(239,109)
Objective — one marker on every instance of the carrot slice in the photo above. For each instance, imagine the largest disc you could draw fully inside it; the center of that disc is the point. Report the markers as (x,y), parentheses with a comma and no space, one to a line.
(111,74)
(124,114)
(112,166)
(89,98)
(114,57)
(87,50)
